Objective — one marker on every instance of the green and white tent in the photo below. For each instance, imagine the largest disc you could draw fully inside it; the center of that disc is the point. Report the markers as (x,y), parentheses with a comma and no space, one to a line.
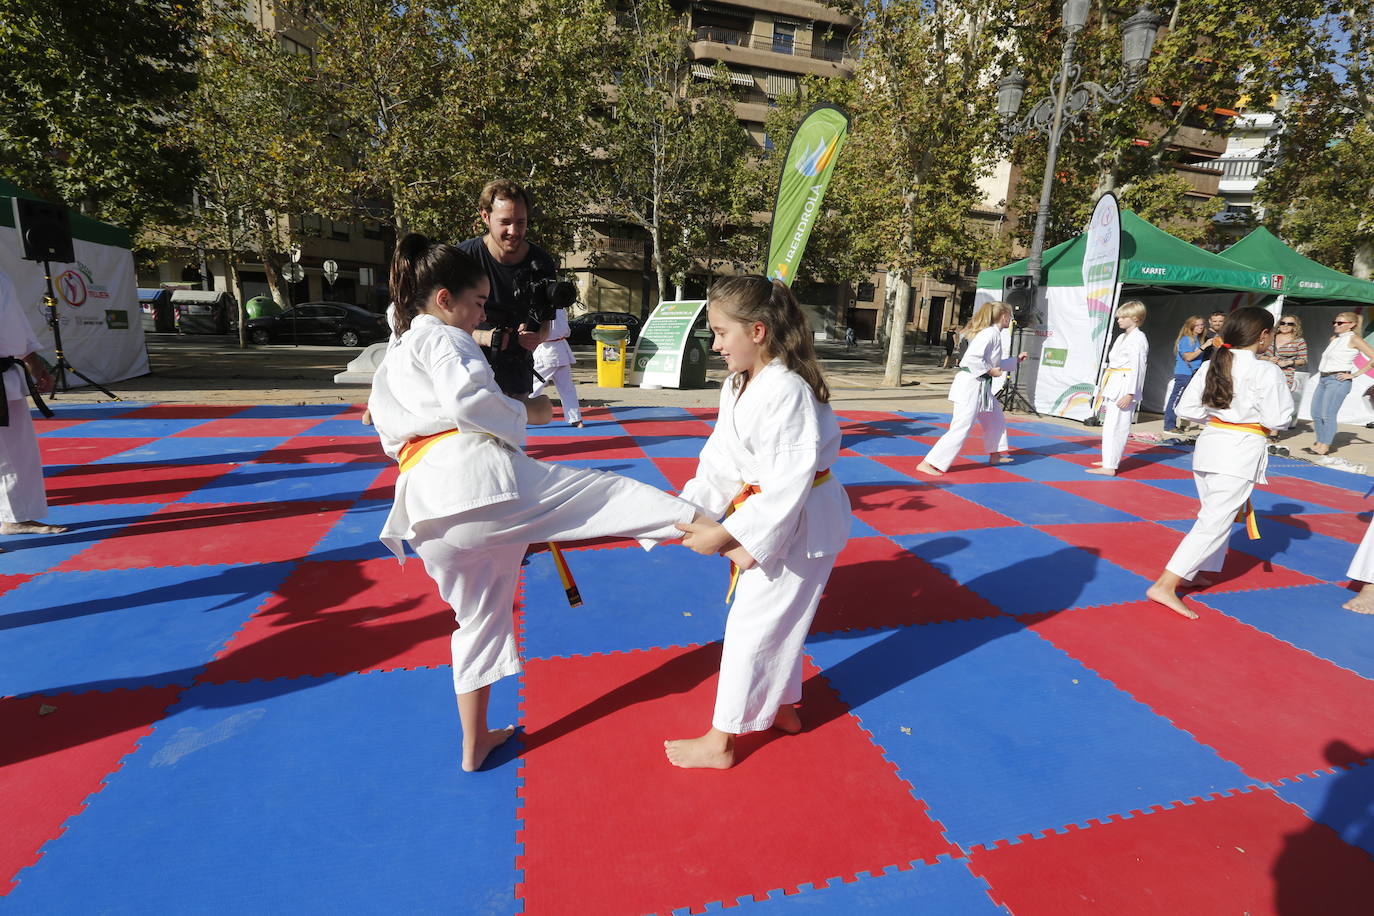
(97,295)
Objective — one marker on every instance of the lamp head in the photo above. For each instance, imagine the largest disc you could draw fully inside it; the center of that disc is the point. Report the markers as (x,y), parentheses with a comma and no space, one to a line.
(1011,89)
(1075,14)
(1138,38)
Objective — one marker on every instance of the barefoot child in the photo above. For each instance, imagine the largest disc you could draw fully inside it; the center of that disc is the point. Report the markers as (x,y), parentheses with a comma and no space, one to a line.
(1240,399)
(1122,385)
(468,499)
(971,392)
(769,457)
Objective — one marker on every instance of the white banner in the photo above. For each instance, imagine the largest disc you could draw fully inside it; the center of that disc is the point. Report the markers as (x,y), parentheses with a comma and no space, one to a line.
(97,308)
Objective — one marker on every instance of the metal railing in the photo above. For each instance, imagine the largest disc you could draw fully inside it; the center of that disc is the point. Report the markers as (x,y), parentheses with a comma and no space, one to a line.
(723,36)
(1241,168)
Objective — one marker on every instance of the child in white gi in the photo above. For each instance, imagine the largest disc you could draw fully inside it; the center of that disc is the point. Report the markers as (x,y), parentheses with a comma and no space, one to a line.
(553,360)
(769,457)
(1241,399)
(971,392)
(1122,385)
(1362,570)
(468,499)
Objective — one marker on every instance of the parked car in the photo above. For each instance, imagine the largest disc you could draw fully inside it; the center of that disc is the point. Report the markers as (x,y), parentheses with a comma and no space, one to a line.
(580,328)
(319,322)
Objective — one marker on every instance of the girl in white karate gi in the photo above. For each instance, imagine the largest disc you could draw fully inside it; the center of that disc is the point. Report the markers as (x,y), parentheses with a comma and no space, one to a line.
(1362,570)
(769,457)
(971,392)
(468,499)
(553,360)
(1240,399)
(1121,386)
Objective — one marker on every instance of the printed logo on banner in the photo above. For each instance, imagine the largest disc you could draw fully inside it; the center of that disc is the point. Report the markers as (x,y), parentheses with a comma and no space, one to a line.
(71,287)
(1054,356)
(813,162)
(116,320)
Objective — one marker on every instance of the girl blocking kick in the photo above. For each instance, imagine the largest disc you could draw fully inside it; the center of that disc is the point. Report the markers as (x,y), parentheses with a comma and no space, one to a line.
(766,470)
(1121,386)
(468,499)
(971,392)
(1241,399)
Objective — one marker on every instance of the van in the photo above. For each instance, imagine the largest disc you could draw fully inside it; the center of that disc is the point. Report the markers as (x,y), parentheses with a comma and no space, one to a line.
(205,311)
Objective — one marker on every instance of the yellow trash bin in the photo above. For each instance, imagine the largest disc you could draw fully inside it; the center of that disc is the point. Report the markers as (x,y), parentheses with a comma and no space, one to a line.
(610,354)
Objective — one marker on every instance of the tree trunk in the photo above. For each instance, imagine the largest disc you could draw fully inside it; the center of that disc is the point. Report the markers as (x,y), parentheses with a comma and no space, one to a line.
(1364,260)
(896,329)
(231,269)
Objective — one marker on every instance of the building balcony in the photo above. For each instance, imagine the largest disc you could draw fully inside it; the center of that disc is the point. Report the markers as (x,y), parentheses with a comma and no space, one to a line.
(779,54)
(722,36)
(1202,181)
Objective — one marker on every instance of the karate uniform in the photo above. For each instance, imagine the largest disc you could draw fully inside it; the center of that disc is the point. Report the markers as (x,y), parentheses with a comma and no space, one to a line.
(1125,375)
(22,496)
(1362,565)
(777,436)
(971,394)
(553,360)
(475,500)
(1228,463)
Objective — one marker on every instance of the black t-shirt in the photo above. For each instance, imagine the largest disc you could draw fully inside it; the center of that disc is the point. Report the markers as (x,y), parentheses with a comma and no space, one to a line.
(513,365)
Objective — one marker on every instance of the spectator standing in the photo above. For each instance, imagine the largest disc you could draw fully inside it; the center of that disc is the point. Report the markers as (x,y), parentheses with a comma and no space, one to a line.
(1187,357)
(1289,353)
(1337,368)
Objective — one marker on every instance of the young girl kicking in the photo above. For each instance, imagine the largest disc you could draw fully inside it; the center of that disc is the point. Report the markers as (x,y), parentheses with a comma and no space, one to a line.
(1241,399)
(769,458)
(468,499)
(1122,385)
(971,392)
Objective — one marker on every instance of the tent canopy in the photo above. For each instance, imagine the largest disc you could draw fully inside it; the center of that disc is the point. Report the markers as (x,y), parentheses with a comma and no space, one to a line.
(1150,259)
(83,227)
(1303,278)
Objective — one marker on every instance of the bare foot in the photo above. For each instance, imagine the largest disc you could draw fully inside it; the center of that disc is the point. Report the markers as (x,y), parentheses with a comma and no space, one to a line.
(30,527)
(1097,464)
(787,720)
(474,756)
(366,418)
(1169,598)
(1198,581)
(926,467)
(1104,472)
(1363,603)
(999,459)
(714,750)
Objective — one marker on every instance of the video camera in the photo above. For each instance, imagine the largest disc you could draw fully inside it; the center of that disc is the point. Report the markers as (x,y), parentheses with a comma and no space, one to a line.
(536,299)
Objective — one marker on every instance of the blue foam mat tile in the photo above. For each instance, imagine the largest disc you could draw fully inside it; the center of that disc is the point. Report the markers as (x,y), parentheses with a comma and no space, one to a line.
(632,600)
(98,630)
(292,412)
(197,450)
(124,428)
(1310,552)
(1342,800)
(1058,431)
(669,446)
(945,887)
(1307,616)
(98,410)
(1043,741)
(1265,501)
(642,469)
(855,470)
(1049,575)
(352,826)
(1033,504)
(354,536)
(350,427)
(1357,483)
(1047,445)
(1042,468)
(884,445)
(88,523)
(627,416)
(272,483)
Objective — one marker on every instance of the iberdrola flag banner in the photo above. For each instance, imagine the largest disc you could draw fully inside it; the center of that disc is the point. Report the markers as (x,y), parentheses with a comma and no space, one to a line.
(805,174)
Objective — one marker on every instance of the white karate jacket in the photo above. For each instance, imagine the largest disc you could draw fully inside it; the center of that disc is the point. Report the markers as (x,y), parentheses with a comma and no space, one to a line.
(984,352)
(554,352)
(1260,395)
(1126,363)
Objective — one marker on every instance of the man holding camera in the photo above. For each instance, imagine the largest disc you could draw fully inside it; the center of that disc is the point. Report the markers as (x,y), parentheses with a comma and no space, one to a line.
(519,271)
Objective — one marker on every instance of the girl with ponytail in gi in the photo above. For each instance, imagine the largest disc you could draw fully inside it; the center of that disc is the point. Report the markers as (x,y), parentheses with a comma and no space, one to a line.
(1240,399)
(1121,386)
(766,471)
(468,499)
(971,392)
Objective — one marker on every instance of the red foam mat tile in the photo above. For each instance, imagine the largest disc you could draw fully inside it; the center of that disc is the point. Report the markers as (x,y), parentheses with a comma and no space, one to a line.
(1145,547)
(567,448)
(961,471)
(877,584)
(677,470)
(704,413)
(203,535)
(51,761)
(1132,467)
(8,582)
(1249,853)
(185,411)
(871,416)
(1260,703)
(919,508)
(326,450)
(63,450)
(384,487)
(338,618)
(611,827)
(1313,492)
(678,428)
(251,427)
(130,483)
(1347,526)
(1139,499)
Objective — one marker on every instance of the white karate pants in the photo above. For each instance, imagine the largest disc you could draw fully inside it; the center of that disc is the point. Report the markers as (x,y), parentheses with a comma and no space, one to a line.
(474,557)
(1362,566)
(1203,548)
(993,424)
(761,662)
(567,392)
(22,497)
(1116,428)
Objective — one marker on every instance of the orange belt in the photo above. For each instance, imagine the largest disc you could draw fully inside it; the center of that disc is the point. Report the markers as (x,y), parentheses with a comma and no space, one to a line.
(1247,511)
(747,491)
(413,451)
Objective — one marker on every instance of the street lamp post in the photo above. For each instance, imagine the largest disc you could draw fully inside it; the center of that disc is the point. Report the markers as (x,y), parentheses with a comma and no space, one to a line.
(1054,114)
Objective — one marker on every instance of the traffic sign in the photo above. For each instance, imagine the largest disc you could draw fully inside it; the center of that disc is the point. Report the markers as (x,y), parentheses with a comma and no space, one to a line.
(293,272)
(295,254)
(331,271)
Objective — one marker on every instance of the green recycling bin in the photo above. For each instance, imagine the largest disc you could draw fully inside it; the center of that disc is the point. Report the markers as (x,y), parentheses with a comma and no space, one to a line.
(262,306)
(694,357)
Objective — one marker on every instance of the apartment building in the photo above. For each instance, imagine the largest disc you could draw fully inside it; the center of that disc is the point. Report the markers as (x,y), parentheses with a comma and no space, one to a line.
(1242,165)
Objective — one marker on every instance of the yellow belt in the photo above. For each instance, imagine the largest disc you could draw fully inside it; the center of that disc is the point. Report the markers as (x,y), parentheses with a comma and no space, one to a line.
(1097,400)
(748,490)
(413,451)
(1246,513)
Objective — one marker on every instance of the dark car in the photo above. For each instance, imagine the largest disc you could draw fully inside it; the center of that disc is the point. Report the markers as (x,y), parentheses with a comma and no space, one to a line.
(580,328)
(319,322)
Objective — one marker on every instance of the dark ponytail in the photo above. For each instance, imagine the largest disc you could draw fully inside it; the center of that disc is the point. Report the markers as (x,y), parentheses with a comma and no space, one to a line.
(1243,328)
(772,303)
(419,267)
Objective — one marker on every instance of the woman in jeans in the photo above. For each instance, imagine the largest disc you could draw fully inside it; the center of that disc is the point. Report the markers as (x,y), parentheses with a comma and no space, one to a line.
(1336,369)
(1187,355)
(1289,353)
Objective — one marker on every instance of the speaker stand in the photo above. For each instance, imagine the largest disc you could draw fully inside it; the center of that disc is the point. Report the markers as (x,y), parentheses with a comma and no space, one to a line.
(61,367)
(1011,395)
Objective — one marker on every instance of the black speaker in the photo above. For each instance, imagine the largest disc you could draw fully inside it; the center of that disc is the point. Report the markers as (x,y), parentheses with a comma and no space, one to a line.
(1019,293)
(46,230)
